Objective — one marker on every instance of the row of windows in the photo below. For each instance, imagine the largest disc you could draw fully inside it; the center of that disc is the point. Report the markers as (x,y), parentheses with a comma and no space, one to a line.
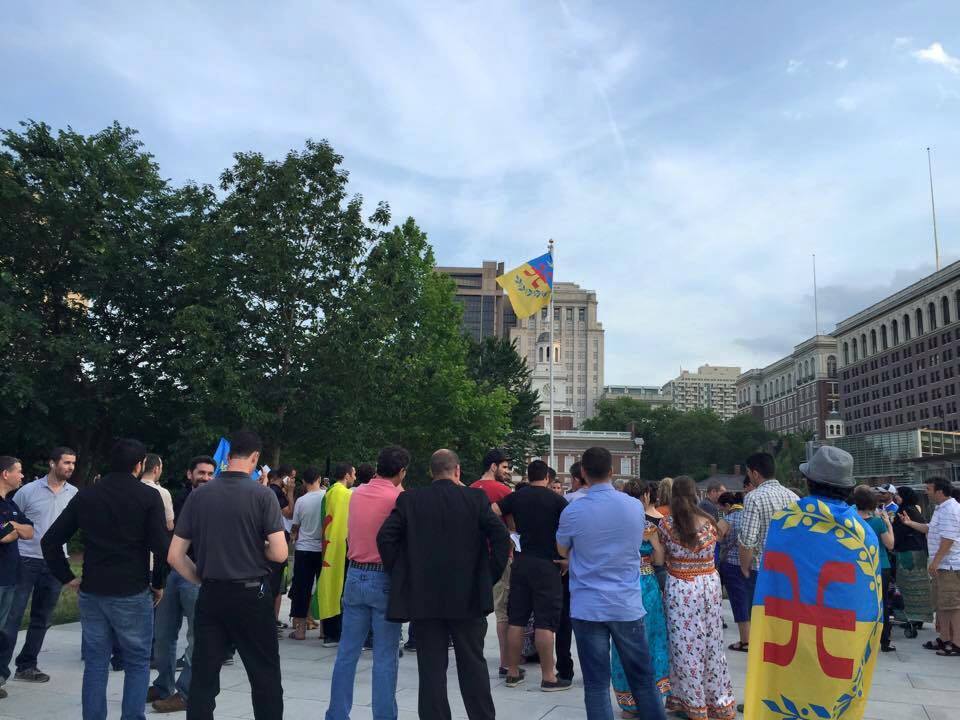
(581,313)
(853,350)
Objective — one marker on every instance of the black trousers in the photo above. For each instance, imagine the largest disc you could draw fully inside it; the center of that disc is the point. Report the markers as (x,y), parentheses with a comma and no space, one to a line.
(565,634)
(472,672)
(887,627)
(232,614)
(306,569)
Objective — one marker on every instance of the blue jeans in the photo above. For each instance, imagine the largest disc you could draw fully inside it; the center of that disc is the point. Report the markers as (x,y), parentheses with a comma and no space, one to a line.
(179,601)
(128,621)
(365,597)
(33,580)
(593,648)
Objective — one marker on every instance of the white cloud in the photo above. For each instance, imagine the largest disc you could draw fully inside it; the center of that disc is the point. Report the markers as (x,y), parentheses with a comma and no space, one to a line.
(838,64)
(902,42)
(938,56)
(793,66)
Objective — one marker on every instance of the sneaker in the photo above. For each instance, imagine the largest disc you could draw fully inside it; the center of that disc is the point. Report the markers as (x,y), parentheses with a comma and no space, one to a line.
(181,662)
(32,675)
(154,693)
(174,703)
(3,693)
(514,681)
(503,672)
(556,686)
(329,643)
(228,661)
(410,647)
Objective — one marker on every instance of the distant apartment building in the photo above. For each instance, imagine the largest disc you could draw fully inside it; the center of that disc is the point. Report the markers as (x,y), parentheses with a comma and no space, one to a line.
(577,350)
(900,359)
(650,394)
(486,309)
(709,388)
(797,393)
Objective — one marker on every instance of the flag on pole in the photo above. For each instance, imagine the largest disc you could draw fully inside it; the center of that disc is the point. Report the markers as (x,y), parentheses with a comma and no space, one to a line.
(529,286)
(220,456)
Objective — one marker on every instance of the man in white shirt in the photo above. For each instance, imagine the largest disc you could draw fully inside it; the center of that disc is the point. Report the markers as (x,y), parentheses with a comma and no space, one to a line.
(943,546)
(307,533)
(152,470)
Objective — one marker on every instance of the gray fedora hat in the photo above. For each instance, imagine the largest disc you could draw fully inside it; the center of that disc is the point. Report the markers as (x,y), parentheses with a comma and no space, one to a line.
(830,466)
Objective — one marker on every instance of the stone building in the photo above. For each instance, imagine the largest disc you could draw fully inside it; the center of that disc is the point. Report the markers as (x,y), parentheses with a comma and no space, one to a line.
(709,388)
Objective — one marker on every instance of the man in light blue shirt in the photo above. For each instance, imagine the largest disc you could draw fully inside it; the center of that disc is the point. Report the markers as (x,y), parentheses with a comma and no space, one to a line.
(41,501)
(601,535)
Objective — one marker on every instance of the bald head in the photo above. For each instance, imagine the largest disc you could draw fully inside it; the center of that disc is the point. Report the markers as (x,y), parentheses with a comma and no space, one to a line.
(445,465)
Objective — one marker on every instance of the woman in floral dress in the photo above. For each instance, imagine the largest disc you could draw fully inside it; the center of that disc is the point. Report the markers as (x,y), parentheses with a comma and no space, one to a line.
(699,679)
(654,622)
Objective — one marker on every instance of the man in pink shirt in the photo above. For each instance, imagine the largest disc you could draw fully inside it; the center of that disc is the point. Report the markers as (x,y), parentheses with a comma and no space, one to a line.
(366,592)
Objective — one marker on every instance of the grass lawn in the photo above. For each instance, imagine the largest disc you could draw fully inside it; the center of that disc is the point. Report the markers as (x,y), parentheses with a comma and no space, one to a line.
(67,610)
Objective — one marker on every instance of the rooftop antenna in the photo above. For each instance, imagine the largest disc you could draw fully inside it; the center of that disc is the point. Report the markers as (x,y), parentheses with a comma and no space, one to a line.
(933,210)
(816,305)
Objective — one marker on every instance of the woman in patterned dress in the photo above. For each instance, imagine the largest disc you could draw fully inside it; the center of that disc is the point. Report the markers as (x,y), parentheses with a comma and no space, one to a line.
(654,622)
(700,684)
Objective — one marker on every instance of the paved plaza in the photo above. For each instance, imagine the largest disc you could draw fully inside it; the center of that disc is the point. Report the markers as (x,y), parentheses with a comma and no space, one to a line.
(911,684)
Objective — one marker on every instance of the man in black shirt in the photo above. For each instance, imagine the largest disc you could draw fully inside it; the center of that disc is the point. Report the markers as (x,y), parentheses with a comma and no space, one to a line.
(123,522)
(236,531)
(535,586)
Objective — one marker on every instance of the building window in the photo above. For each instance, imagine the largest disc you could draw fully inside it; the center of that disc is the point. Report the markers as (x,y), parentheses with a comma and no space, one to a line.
(556,313)
(883,337)
(855,356)
(831,366)
(873,342)
(581,314)
(896,332)
(846,353)
(919,317)
(932,316)
(863,344)
(906,328)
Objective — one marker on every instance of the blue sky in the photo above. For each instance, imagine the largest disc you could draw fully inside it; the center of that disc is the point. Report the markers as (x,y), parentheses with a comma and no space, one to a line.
(686,157)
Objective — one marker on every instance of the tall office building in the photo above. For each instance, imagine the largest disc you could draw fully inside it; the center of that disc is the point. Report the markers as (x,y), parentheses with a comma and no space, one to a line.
(652,395)
(900,359)
(798,392)
(709,388)
(577,351)
(486,309)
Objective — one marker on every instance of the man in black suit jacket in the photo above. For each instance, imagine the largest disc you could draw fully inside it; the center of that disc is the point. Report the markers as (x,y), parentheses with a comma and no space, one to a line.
(444,549)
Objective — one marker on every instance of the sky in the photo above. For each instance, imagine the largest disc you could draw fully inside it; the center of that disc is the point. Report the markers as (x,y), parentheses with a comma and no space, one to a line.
(688,159)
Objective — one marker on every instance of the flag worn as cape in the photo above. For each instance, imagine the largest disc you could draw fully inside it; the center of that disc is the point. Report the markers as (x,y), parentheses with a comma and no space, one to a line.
(817,614)
(334,509)
(529,286)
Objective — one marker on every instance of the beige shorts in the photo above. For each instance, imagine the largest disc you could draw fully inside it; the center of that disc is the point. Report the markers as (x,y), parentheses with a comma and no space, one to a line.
(946,590)
(501,593)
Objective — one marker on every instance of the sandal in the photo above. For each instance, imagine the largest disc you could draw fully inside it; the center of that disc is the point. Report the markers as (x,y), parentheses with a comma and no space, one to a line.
(949,650)
(739,647)
(933,644)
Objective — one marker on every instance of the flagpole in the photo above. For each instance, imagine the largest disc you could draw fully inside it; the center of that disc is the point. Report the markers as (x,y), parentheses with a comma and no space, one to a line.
(552,352)
(933,210)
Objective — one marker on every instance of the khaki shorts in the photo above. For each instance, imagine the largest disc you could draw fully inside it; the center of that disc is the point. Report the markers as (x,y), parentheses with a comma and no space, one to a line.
(946,590)
(501,593)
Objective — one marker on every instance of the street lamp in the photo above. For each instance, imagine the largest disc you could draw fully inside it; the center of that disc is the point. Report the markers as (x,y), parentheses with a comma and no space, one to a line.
(638,441)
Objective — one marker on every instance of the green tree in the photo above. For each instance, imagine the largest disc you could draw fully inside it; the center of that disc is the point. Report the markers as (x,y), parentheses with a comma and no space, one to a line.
(494,363)
(790,451)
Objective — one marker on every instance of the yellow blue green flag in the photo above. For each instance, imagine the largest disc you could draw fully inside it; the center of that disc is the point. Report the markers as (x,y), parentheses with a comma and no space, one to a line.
(335,510)
(817,615)
(529,286)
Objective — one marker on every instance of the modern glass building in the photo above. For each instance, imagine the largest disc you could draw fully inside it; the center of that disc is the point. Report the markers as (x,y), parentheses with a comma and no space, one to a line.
(906,457)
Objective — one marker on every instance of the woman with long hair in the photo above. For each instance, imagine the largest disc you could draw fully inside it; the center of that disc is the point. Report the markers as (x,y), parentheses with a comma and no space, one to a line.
(910,550)
(700,683)
(654,622)
(664,493)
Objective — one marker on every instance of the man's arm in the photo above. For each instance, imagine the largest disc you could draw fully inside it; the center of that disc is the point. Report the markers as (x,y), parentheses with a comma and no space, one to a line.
(496,534)
(748,538)
(919,527)
(158,541)
(565,533)
(390,537)
(277,549)
(54,539)
(177,557)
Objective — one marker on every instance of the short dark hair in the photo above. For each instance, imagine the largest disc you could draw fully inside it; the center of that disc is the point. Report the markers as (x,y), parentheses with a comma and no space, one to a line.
(831,492)
(126,454)
(762,463)
(285,469)
(311,475)
(941,484)
(714,486)
(201,460)
(7,462)
(747,482)
(575,471)
(274,474)
(552,473)
(391,460)
(864,498)
(151,462)
(365,473)
(637,488)
(730,498)
(244,443)
(597,463)
(908,495)
(443,462)
(341,470)
(494,456)
(537,471)
(59,451)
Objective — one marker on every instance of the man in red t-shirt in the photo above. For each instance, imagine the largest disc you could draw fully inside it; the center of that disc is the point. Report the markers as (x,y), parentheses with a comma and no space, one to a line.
(494,485)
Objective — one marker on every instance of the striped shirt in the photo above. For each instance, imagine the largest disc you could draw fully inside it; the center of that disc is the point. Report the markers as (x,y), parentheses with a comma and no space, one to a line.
(759,507)
(945,525)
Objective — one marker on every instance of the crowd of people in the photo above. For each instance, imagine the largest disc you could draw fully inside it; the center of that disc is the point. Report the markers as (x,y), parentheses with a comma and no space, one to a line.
(635,571)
